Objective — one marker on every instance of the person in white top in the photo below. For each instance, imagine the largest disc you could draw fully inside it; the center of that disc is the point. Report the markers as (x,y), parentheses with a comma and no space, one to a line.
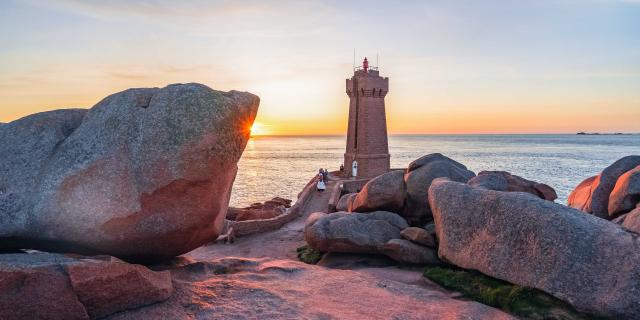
(320,186)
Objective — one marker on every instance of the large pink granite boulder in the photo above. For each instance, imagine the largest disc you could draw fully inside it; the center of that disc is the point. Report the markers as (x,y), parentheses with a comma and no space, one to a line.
(626,192)
(590,263)
(580,197)
(418,178)
(505,181)
(385,192)
(352,232)
(144,174)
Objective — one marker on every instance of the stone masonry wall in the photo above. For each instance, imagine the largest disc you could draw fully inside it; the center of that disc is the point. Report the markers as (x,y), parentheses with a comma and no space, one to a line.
(367,127)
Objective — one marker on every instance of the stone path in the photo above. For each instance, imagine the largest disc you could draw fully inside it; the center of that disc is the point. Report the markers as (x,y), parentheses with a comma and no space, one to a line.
(277,244)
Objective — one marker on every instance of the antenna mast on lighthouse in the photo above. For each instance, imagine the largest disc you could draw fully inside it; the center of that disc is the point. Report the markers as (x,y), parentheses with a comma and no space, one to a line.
(354,58)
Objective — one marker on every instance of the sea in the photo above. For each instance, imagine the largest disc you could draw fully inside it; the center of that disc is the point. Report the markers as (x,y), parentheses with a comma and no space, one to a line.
(282,165)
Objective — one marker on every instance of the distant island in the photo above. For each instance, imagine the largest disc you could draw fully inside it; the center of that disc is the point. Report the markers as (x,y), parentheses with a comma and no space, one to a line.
(581,133)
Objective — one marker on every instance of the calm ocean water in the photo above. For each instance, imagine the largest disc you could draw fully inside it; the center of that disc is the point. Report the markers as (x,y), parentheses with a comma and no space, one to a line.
(281,166)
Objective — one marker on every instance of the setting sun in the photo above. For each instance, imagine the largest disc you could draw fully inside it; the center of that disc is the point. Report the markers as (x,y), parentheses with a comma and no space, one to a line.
(258,129)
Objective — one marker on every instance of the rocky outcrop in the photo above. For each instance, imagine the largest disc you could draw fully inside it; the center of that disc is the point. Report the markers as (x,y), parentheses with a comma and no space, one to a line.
(524,240)
(406,193)
(144,174)
(606,181)
(52,286)
(373,233)
(505,181)
(385,192)
(580,197)
(419,236)
(405,251)
(592,195)
(418,178)
(626,192)
(259,211)
(352,232)
(345,202)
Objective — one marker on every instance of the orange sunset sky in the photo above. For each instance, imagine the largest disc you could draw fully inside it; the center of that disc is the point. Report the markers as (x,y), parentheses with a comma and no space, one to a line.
(454,66)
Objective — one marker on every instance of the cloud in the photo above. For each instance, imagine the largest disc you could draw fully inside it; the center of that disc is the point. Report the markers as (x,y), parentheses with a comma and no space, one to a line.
(220,19)
(156,9)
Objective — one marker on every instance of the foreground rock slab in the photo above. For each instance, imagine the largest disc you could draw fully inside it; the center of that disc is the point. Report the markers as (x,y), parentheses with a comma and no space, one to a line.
(236,288)
(144,174)
(352,232)
(525,240)
(52,286)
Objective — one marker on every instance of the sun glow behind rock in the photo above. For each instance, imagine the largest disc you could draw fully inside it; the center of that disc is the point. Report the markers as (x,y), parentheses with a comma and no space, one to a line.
(259,129)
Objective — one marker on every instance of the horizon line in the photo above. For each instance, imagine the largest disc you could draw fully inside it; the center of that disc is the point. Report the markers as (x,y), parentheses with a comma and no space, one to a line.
(456,134)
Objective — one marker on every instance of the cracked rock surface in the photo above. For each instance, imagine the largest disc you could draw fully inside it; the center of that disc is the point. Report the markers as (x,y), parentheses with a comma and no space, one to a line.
(54,286)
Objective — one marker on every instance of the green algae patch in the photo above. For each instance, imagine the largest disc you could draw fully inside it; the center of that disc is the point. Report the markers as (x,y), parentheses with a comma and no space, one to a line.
(526,303)
(307,255)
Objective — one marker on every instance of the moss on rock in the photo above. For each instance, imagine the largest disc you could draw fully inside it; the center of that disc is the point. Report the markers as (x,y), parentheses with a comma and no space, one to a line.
(523,302)
(307,255)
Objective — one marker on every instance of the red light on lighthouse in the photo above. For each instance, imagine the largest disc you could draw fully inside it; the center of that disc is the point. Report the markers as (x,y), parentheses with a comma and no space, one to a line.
(365,64)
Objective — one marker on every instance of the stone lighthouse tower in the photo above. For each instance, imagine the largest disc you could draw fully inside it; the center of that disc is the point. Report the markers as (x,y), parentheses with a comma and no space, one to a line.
(367,153)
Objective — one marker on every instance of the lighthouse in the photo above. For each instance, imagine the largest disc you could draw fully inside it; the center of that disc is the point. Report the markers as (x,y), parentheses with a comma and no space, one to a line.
(367,152)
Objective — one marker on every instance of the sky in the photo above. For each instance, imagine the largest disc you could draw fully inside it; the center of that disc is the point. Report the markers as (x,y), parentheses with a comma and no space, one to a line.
(454,66)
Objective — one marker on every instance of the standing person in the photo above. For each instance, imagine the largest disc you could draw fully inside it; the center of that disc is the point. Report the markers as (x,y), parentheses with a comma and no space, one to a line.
(320,186)
(325,174)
